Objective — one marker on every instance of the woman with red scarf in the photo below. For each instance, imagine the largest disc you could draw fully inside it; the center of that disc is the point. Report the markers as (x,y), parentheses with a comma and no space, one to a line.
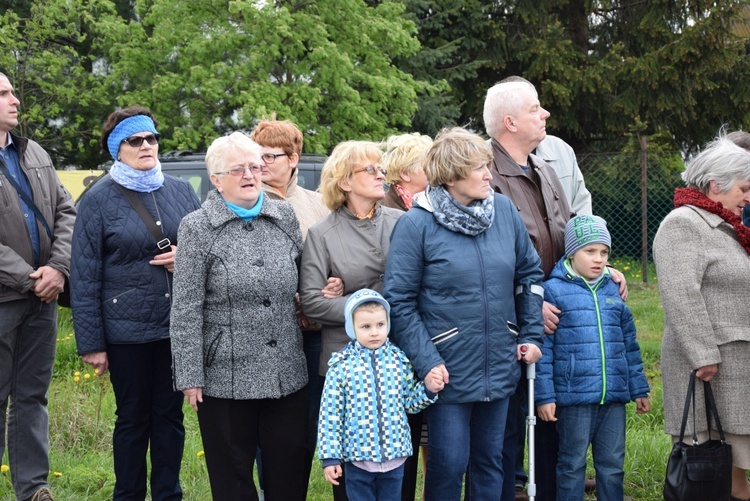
(702,256)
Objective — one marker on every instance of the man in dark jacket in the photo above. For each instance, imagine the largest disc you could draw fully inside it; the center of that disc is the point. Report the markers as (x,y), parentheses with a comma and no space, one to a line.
(516,122)
(35,235)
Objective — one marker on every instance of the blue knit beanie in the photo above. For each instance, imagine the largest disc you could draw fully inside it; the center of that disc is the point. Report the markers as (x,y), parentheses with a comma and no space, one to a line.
(585,230)
(356,300)
(126,128)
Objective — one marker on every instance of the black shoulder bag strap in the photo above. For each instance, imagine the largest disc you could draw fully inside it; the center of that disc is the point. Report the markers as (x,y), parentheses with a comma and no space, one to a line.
(162,242)
(29,201)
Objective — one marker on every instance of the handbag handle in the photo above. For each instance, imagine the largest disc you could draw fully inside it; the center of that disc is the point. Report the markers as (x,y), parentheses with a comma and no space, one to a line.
(710,402)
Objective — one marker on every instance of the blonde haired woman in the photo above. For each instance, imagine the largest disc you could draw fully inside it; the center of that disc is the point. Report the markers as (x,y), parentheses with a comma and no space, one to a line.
(350,245)
(402,162)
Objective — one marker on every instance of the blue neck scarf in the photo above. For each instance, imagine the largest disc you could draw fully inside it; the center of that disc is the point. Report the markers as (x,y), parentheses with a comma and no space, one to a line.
(142,181)
(246,214)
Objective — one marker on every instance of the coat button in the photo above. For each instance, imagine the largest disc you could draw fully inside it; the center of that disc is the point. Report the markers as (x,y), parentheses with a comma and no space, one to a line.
(114,300)
(266,302)
(166,295)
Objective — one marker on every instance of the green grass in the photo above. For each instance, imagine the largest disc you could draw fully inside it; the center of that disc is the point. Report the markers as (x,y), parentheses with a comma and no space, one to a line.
(82,417)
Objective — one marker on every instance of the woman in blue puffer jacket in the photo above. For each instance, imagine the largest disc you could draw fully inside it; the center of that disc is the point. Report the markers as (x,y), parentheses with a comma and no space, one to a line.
(464,284)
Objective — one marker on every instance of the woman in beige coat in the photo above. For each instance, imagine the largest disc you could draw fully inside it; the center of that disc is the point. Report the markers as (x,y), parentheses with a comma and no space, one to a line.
(702,259)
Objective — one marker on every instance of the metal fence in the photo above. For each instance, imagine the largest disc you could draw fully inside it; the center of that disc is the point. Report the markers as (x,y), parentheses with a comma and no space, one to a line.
(633,190)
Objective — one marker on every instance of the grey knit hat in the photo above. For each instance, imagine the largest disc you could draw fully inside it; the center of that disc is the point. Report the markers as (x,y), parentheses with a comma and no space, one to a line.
(356,300)
(585,230)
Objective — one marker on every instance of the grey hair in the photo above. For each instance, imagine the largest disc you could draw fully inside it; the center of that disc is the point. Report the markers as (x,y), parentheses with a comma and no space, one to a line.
(722,162)
(217,153)
(502,100)
(740,138)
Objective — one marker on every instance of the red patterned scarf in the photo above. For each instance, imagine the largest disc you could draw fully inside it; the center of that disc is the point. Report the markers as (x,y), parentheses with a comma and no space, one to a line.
(691,196)
(405,195)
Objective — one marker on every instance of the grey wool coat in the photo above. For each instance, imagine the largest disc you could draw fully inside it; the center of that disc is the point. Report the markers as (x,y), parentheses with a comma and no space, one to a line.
(234,327)
(351,249)
(704,279)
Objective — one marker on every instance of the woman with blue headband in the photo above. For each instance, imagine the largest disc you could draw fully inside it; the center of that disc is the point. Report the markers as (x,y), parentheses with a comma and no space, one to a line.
(121,290)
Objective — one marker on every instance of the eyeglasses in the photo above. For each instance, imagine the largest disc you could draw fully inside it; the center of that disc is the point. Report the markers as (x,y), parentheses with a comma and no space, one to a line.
(270,158)
(372,170)
(239,171)
(137,141)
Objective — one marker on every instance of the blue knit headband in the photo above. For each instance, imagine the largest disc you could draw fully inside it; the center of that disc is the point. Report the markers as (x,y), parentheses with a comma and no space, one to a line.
(126,128)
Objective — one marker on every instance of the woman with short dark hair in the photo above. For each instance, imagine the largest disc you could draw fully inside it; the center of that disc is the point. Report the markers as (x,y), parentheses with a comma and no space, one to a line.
(121,293)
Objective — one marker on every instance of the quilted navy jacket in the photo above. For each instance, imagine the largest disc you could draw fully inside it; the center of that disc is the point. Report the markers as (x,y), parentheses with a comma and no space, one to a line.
(116,295)
(593,357)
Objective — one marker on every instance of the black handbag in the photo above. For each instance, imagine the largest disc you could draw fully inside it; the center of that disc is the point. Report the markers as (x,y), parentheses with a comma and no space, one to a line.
(699,472)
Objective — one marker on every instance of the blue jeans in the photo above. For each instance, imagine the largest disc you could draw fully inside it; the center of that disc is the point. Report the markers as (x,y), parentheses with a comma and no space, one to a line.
(373,486)
(28,330)
(602,426)
(454,430)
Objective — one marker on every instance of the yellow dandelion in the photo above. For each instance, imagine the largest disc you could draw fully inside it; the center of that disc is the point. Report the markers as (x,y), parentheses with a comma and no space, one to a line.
(4,468)
(57,474)
(626,268)
(87,376)
(200,454)
(77,378)
(76,373)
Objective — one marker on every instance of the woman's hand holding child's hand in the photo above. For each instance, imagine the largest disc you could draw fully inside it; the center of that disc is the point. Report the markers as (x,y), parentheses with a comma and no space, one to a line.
(436,379)
(332,473)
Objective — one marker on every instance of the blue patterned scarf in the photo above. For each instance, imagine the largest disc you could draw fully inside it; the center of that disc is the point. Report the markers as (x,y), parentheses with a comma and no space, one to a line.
(470,220)
(142,181)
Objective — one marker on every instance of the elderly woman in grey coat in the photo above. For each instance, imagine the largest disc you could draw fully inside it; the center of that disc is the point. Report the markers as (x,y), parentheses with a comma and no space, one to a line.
(350,245)
(236,344)
(702,259)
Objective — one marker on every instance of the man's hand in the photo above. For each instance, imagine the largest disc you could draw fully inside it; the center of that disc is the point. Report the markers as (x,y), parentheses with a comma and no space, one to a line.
(619,279)
(98,360)
(49,283)
(550,312)
(165,259)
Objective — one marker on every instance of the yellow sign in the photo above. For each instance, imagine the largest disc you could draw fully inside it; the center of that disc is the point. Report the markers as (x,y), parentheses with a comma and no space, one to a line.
(76,180)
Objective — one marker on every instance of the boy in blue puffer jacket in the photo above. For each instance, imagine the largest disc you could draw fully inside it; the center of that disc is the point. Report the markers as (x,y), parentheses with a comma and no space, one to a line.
(591,367)
(370,385)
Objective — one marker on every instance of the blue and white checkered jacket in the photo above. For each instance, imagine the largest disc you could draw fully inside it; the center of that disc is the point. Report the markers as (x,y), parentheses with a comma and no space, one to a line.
(366,396)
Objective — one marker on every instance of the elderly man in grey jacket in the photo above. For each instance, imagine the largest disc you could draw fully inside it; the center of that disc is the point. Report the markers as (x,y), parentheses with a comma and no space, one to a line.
(35,236)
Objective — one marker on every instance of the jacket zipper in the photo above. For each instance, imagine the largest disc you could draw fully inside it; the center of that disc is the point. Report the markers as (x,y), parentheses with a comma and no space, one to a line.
(486,324)
(378,417)
(601,339)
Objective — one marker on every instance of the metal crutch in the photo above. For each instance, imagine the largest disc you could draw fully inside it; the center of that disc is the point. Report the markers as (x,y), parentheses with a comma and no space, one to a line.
(530,423)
